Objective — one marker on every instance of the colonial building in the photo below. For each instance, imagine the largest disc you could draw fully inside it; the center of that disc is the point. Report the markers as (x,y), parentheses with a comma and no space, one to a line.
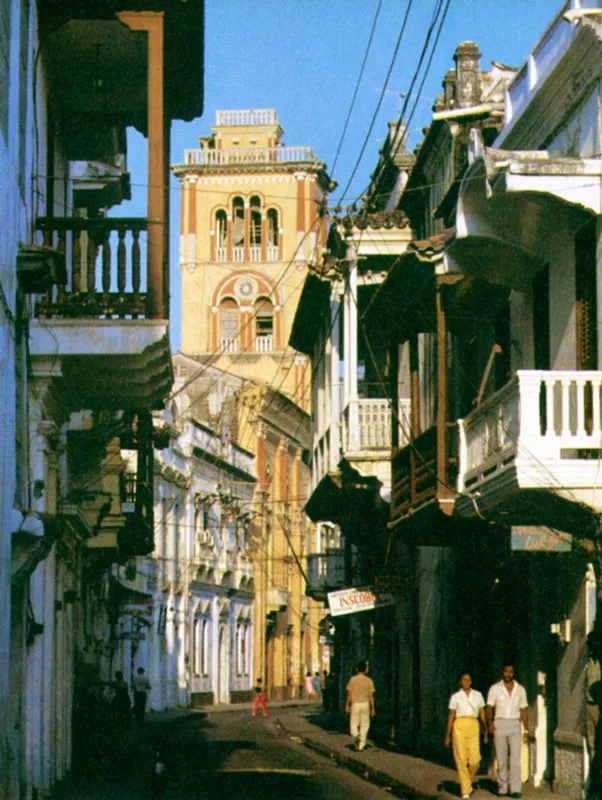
(195,635)
(83,330)
(491,319)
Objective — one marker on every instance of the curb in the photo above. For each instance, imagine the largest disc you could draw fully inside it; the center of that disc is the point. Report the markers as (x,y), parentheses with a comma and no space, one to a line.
(353,764)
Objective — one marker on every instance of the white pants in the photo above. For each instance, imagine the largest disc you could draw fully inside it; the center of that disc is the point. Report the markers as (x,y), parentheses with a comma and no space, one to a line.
(359,722)
(507,751)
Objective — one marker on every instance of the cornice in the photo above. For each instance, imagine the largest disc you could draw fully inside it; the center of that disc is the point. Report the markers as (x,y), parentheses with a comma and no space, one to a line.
(563,91)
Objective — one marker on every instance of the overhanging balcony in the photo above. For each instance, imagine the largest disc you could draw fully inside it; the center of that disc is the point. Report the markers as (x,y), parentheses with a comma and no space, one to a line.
(325,573)
(416,479)
(95,331)
(531,453)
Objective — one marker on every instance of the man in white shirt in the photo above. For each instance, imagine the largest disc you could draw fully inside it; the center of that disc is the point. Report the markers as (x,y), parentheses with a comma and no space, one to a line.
(466,708)
(506,707)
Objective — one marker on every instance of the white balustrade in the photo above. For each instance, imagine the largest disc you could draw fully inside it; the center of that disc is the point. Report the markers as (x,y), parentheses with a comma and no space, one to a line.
(238,254)
(540,416)
(272,252)
(247,116)
(264,344)
(255,253)
(209,157)
(228,345)
(366,424)
(221,253)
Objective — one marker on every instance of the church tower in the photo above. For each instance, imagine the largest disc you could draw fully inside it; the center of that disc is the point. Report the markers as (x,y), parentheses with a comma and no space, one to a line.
(251,221)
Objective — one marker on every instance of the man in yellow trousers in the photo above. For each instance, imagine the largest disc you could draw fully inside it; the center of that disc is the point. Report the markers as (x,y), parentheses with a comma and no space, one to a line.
(466,711)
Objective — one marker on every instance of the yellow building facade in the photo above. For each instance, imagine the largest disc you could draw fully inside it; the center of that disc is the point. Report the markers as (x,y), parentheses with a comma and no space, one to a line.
(252,220)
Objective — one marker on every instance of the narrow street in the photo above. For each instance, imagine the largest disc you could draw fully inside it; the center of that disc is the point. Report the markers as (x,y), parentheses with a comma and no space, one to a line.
(214,756)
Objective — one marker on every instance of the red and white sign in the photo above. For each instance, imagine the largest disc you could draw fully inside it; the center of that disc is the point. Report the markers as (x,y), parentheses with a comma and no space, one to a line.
(349,601)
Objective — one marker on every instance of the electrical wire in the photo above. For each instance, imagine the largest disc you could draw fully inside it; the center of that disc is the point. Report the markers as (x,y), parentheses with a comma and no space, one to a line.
(379,103)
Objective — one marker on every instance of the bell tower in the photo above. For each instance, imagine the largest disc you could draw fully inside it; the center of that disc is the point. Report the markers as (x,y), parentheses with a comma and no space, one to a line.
(251,222)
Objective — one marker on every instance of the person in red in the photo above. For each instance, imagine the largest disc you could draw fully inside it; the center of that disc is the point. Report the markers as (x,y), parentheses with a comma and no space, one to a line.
(259,699)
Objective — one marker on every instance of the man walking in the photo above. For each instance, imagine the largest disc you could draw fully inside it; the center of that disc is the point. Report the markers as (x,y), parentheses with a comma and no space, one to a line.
(360,705)
(466,709)
(506,707)
(141,686)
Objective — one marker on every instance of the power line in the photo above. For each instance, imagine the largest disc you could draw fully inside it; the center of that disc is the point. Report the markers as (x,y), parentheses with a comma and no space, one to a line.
(380,100)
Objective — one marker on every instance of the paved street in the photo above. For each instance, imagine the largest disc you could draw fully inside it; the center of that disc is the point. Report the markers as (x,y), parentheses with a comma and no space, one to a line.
(217,755)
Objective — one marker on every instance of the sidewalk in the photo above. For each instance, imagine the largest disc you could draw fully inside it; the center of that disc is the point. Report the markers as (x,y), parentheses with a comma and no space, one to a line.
(403,774)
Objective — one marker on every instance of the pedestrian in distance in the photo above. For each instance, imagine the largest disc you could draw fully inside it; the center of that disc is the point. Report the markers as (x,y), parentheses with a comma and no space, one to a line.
(359,705)
(141,686)
(506,707)
(466,711)
(309,686)
(325,691)
(259,699)
(317,685)
(121,702)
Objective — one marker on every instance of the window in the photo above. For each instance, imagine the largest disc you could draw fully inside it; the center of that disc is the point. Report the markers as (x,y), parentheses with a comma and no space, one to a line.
(238,222)
(228,324)
(272,234)
(264,317)
(221,231)
(200,646)
(255,228)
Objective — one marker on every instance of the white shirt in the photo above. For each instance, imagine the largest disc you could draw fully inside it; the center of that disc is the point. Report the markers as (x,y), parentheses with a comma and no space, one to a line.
(466,705)
(506,705)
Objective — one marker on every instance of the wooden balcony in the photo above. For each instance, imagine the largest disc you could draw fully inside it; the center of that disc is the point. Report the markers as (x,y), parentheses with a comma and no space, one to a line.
(532,450)
(96,335)
(416,481)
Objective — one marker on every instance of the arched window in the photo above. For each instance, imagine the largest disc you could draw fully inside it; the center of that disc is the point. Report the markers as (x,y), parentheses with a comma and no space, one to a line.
(238,228)
(221,234)
(228,326)
(255,227)
(272,234)
(264,325)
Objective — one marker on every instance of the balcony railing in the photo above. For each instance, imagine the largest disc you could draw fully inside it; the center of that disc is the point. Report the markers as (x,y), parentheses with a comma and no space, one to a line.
(264,344)
(228,345)
(366,425)
(547,422)
(247,116)
(249,155)
(415,479)
(272,252)
(325,571)
(105,274)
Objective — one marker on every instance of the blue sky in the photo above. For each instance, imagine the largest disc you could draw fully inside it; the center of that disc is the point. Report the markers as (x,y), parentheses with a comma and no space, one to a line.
(303,57)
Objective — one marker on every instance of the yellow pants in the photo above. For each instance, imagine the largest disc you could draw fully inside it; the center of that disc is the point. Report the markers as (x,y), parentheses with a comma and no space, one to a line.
(467,751)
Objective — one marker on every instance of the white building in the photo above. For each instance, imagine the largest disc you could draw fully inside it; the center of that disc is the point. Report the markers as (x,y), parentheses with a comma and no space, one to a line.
(84,338)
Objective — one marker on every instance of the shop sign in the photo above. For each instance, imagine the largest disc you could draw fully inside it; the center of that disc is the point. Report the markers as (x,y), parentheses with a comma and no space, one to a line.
(350,601)
(539,539)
